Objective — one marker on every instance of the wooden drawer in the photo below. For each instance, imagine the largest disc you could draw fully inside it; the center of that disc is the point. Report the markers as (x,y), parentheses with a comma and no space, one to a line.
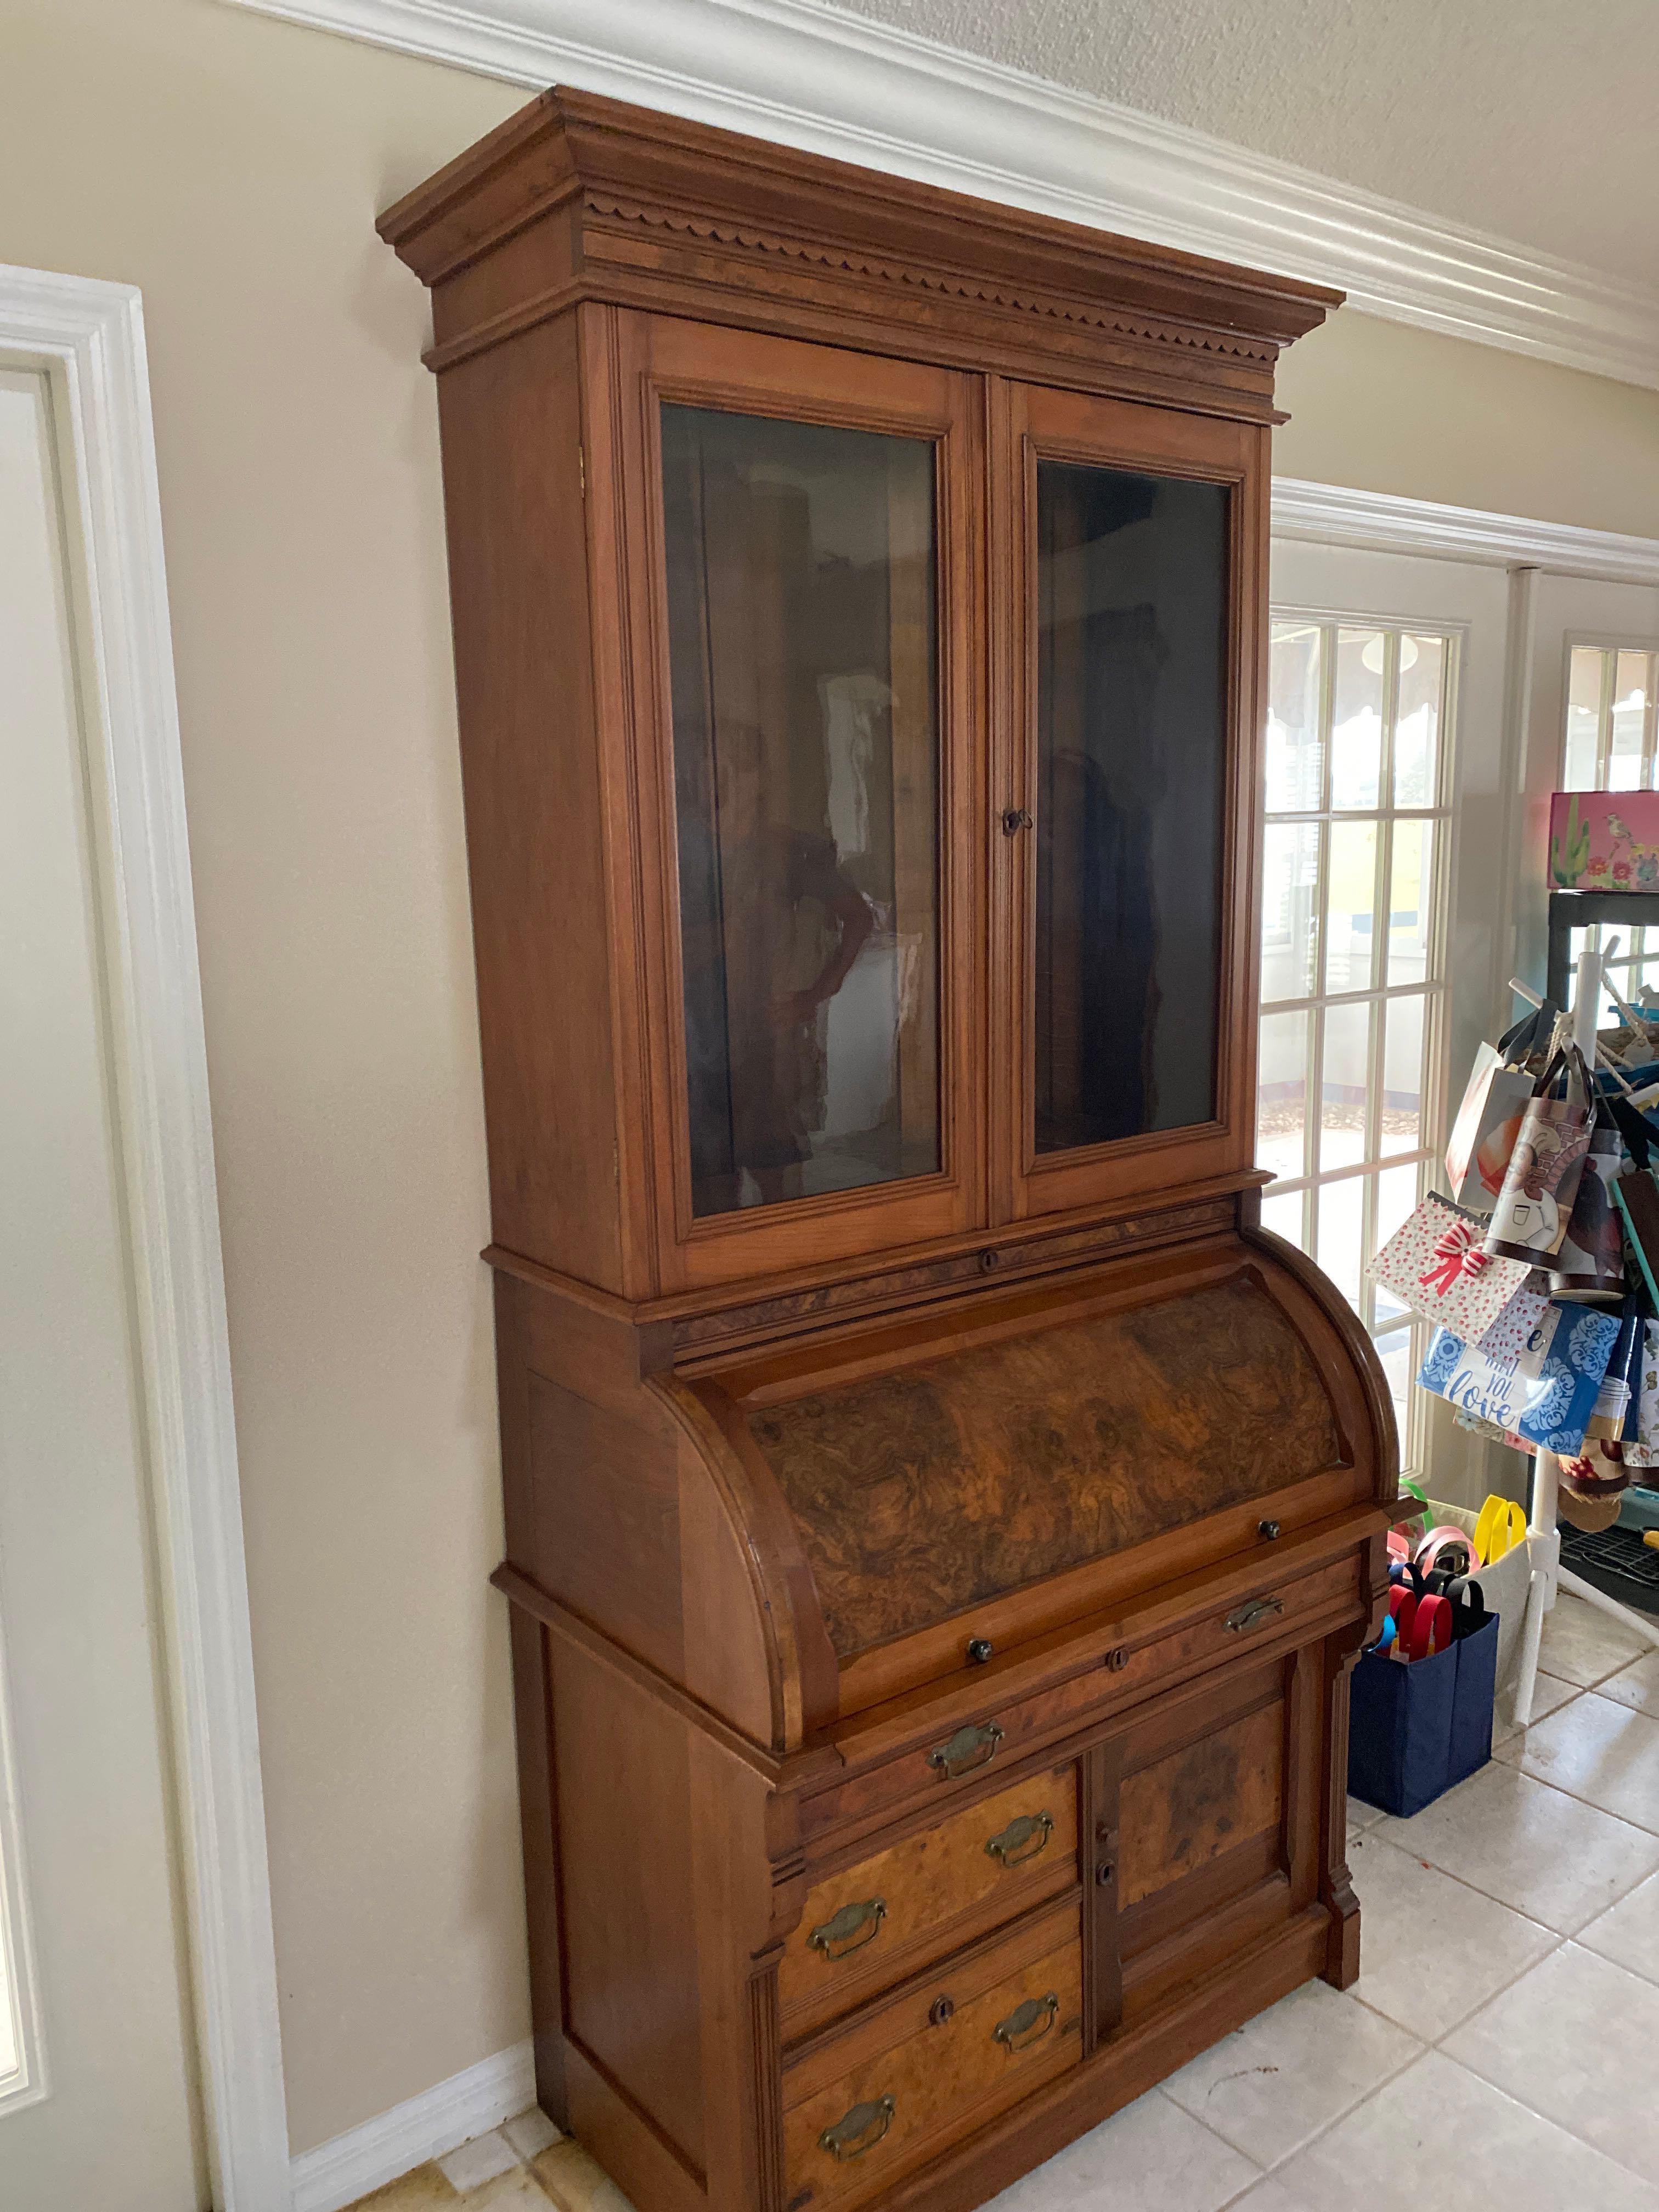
(1233,1630)
(1127,1668)
(882,2095)
(867,1926)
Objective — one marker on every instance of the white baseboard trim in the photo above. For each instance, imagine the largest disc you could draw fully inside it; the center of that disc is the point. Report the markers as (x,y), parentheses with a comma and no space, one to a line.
(451,2112)
(803,72)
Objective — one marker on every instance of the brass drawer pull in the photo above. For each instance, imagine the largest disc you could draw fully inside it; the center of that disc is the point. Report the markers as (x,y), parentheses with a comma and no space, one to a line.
(969,1747)
(859,2130)
(1020,2030)
(1253,1615)
(839,1937)
(1022,1839)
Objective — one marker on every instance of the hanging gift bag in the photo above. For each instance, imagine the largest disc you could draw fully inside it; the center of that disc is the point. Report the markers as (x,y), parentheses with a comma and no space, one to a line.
(1641,1451)
(1500,1088)
(1434,1264)
(1552,1408)
(1529,1221)
(1636,1196)
(1590,1264)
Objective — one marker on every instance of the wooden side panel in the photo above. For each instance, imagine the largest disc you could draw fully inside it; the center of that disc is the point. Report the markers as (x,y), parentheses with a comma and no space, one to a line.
(534,1709)
(513,496)
(633,1998)
(605,1521)
(727,1662)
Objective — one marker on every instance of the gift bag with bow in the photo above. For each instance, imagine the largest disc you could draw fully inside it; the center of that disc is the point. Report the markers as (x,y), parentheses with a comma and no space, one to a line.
(1434,1264)
(1529,1221)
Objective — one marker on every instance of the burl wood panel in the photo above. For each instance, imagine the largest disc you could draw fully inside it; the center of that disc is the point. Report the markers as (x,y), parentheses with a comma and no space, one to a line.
(943,2079)
(929,1883)
(1176,1816)
(922,1492)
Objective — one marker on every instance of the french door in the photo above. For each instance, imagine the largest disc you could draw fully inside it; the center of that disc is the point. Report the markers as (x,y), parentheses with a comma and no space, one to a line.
(1386,892)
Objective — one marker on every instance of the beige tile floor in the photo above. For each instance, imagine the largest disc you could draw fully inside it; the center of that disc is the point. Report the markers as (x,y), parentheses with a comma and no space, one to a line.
(1501,2045)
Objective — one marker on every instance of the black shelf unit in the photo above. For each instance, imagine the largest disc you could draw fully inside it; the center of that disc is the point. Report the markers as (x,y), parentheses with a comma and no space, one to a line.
(1571,910)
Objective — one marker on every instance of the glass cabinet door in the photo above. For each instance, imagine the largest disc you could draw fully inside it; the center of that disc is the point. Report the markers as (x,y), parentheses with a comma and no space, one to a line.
(805,599)
(803,647)
(1125,762)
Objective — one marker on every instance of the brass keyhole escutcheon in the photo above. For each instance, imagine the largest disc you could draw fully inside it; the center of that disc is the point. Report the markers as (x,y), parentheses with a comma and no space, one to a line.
(940,2010)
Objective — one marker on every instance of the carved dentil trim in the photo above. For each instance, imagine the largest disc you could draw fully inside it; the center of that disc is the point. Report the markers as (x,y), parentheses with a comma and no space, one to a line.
(911,278)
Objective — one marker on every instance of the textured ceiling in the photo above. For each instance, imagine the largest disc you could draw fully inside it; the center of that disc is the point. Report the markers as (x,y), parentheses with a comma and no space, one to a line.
(1535,120)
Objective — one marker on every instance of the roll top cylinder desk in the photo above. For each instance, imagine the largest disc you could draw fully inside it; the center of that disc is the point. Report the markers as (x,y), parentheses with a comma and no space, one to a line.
(940,1521)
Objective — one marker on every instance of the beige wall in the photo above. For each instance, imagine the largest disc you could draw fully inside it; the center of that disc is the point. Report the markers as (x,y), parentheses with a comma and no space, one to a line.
(232,168)
(1386,408)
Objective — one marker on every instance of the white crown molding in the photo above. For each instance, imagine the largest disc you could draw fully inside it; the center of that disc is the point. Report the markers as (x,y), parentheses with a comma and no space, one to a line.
(339,2172)
(90,338)
(1386,523)
(801,72)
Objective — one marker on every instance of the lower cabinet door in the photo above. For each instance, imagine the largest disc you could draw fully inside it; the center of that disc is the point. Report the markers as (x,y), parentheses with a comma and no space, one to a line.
(1205,1818)
(888,2090)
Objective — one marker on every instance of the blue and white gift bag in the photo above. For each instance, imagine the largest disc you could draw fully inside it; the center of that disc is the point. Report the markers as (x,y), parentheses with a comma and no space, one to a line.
(1551,1409)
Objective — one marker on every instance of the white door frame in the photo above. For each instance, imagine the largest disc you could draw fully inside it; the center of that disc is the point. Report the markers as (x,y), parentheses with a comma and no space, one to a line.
(88,337)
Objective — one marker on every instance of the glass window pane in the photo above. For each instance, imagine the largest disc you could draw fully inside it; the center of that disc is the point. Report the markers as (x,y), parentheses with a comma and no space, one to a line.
(1131,621)
(1398,1190)
(1417,723)
(1357,718)
(1289,891)
(1630,715)
(1295,753)
(1410,872)
(800,570)
(1401,1361)
(1284,1215)
(1403,1076)
(1341,1233)
(1281,1117)
(1350,908)
(1582,771)
(1345,1087)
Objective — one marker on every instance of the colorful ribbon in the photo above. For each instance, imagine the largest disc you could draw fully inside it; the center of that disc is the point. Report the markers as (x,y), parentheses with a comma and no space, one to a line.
(1456,1254)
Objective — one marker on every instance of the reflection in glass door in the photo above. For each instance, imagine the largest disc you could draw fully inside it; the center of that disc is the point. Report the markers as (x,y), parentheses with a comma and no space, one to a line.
(1353,965)
(1131,583)
(803,660)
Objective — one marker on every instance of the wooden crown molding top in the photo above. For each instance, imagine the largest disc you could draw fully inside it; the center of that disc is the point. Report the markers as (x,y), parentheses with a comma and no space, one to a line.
(647,208)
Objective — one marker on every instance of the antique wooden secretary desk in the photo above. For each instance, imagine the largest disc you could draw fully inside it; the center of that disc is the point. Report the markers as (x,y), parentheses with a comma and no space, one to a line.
(940,1522)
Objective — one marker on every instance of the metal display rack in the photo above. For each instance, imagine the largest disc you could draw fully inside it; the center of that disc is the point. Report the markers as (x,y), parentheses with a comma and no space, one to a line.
(1543,1537)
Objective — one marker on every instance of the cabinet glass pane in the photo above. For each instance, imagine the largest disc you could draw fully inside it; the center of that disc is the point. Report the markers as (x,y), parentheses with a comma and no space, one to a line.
(1131,711)
(802,656)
